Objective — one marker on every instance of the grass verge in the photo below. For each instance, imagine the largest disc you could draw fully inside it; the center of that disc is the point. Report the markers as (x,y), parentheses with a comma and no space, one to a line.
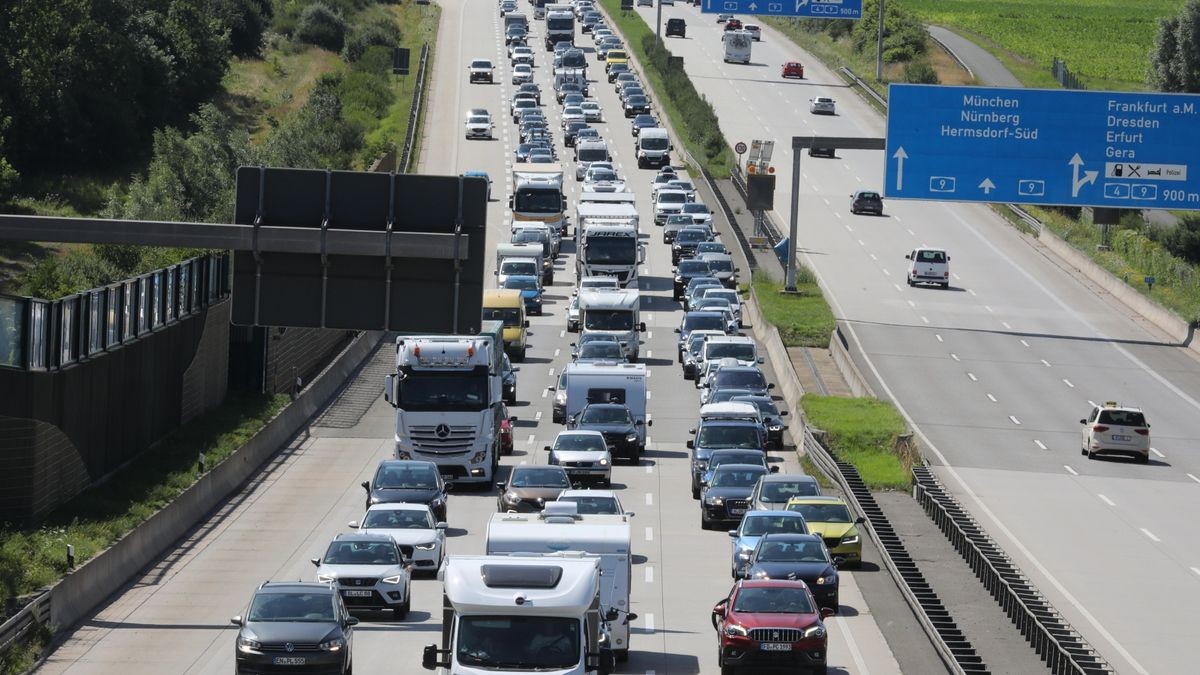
(803,319)
(864,432)
(691,115)
(35,557)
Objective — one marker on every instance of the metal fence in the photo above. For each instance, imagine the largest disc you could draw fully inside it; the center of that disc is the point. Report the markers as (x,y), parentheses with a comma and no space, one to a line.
(414,113)
(38,334)
(1064,76)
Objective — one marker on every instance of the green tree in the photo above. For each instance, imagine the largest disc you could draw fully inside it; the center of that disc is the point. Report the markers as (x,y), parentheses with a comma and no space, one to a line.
(904,37)
(321,26)
(8,175)
(1175,59)
(317,135)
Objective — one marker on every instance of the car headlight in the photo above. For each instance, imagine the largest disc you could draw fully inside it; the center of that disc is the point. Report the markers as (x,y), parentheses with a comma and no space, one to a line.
(714,501)
(510,498)
(248,644)
(761,574)
(538,299)
(326,578)
(775,427)
(700,464)
(826,581)
(603,462)
(428,546)
(393,580)
(334,645)
(817,632)
(853,539)
(631,437)
(734,629)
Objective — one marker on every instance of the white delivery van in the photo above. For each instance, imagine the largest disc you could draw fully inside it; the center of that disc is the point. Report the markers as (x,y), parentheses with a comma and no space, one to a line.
(516,259)
(653,148)
(614,312)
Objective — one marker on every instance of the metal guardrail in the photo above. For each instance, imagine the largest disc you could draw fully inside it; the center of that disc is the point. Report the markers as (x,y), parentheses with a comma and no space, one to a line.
(1054,640)
(16,628)
(862,84)
(1033,223)
(414,113)
(731,217)
(954,649)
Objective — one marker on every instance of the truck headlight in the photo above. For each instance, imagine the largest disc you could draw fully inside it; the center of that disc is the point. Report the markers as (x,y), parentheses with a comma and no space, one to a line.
(479,456)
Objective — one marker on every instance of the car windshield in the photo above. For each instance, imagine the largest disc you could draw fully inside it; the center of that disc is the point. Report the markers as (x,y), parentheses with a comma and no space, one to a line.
(522,283)
(723,293)
(745,379)
(548,643)
(443,390)
(362,553)
(573,59)
(594,505)
(593,155)
(722,395)
(644,121)
(518,267)
(728,436)
(735,478)
(600,350)
(398,519)
(791,551)
(694,267)
(481,64)
(742,351)
(1122,418)
(292,607)
(713,304)
(756,526)
(605,415)
(779,491)
(406,478)
(721,265)
(695,207)
(654,143)
(639,100)
(533,477)
(822,513)
(691,237)
(478,119)
(604,174)
(510,316)
(611,250)
(773,601)
(705,321)
(608,319)
(580,443)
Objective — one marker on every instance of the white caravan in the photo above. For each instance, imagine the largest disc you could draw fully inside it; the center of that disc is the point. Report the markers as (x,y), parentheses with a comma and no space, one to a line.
(623,383)
(614,312)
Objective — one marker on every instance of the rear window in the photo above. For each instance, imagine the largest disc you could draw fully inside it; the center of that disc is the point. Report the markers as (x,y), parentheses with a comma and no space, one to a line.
(703,322)
(1122,418)
(931,256)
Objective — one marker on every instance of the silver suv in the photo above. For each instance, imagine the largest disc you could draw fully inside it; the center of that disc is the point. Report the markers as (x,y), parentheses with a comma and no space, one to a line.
(370,572)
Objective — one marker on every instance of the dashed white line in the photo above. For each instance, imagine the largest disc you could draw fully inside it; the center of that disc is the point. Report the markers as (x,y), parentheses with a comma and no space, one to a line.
(988,308)
(972,376)
(1157,453)
(1193,477)
(650,623)
(1045,363)
(649,499)
(872,255)
(1106,500)
(971,291)
(530,439)
(649,394)
(649,574)
(911,303)
(1041,445)
(897,286)
(538,416)
(552,373)
(1068,383)
(954,356)
(886,273)
(649,534)
(925,319)
(1015,420)
(562,333)
(1150,535)
(557,352)
(650,468)
(1024,343)
(1006,326)
(1071,471)
(939,337)
(991,398)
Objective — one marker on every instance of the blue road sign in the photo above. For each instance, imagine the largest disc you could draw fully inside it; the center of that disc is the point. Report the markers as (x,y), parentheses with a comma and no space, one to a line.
(1043,146)
(815,9)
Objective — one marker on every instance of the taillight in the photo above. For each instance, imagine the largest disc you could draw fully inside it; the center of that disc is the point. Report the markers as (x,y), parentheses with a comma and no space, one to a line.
(1098,428)
(1144,432)
(946,275)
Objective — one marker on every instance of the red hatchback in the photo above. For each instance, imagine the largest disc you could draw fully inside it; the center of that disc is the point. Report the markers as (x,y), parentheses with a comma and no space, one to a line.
(769,623)
(793,69)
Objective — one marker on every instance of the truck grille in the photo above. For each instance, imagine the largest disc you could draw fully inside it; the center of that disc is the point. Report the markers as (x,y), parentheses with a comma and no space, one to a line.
(775,634)
(453,440)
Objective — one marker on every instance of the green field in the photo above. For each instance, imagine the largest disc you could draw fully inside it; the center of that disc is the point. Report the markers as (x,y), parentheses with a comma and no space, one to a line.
(1105,42)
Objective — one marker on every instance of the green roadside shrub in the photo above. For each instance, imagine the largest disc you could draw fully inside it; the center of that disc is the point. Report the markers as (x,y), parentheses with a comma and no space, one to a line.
(321,26)
(920,72)
(381,33)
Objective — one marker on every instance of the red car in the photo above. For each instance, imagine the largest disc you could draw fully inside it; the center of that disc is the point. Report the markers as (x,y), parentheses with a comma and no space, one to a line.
(506,431)
(733,24)
(793,69)
(770,623)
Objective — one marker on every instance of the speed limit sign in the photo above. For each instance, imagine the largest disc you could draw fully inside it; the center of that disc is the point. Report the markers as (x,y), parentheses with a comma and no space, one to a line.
(740,148)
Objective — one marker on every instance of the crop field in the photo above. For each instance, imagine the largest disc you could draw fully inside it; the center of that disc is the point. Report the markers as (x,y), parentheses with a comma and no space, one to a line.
(1105,42)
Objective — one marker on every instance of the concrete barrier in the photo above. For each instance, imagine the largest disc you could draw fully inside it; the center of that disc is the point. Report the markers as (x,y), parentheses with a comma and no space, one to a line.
(787,382)
(81,591)
(840,349)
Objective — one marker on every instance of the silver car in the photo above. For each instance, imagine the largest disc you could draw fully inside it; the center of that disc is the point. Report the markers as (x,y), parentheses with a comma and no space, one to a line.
(753,526)
(421,539)
(370,573)
(583,455)
(773,491)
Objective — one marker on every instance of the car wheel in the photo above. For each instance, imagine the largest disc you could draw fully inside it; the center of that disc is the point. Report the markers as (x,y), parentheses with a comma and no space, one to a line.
(910,282)
(521,355)
(401,612)
(703,521)
(1143,459)
(695,492)
(1091,455)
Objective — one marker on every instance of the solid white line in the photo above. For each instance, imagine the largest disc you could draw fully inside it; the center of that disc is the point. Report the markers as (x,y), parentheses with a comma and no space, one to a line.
(649,534)
(1071,471)
(1150,534)
(1193,477)
(649,574)
(972,376)
(1068,383)
(991,398)
(1040,444)
(1014,420)
(649,499)
(1159,454)
(1106,500)
(855,654)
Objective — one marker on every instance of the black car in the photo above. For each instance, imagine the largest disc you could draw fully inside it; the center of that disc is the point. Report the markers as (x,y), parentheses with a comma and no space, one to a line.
(530,88)
(677,28)
(796,556)
(409,480)
(570,131)
(726,498)
(685,244)
(293,627)
(740,377)
(508,379)
(568,88)
(772,418)
(866,201)
(645,121)
(685,271)
(621,432)
(616,69)
(814,151)
(721,434)
(636,104)
(514,33)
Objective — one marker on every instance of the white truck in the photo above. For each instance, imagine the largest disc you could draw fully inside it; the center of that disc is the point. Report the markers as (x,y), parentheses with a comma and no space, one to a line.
(516,258)
(560,527)
(522,615)
(653,148)
(538,195)
(623,383)
(560,25)
(447,391)
(737,46)
(614,312)
(607,239)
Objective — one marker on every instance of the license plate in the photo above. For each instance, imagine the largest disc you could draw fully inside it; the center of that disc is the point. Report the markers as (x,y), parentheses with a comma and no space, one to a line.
(357,594)
(1121,437)
(737,512)
(775,646)
(295,660)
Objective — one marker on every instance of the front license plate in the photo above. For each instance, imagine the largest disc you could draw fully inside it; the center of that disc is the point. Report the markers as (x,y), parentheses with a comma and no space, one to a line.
(775,646)
(1121,437)
(737,512)
(295,660)
(357,594)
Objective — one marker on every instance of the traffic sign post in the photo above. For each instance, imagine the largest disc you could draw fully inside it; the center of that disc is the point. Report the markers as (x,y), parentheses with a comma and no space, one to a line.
(1040,146)
(740,149)
(814,9)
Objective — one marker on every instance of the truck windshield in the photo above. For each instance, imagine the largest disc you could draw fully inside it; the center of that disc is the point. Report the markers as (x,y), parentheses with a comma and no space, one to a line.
(510,316)
(556,24)
(518,642)
(653,143)
(538,200)
(611,250)
(607,319)
(440,390)
(593,155)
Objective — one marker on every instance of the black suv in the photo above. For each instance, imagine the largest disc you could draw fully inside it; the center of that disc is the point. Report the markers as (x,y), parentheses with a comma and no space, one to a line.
(408,480)
(676,27)
(293,627)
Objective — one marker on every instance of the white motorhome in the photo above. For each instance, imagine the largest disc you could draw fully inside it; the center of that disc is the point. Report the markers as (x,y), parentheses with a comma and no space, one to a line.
(623,383)
(560,527)
(737,46)
(521,615)
(538,196)
(613,312)
(447,392)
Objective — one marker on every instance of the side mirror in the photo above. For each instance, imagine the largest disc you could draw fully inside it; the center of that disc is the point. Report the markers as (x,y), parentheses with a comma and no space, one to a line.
(237,621)
(859,520)
(783,413)
(907,256)
(447,487)
(691,445)
(642,327)
(692,432)
(827,612)
(761,360)
(547,448)
(550,388)
(513,419)
(733,534)
(639,423)
(650,423)
(429,658)
(352,524)
(366,485)
(500,486)
(526,323)
(1083,421)
(770,385)
(351,621)
(441,525)
(612,614)
(315,561)
(389,387)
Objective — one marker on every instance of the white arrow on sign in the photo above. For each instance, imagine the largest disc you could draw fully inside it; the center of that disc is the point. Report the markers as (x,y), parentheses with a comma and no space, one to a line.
(753,7)
(800,3)
(900,156)
(1076,181)
(987,186)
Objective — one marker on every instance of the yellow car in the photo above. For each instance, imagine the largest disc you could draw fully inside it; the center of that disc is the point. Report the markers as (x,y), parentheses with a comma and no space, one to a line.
(614,57)
(830,518)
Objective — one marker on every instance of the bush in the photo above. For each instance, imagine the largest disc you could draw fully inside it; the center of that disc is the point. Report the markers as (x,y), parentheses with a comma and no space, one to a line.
(321,26)
(316,136)
(382,33)
(920,72)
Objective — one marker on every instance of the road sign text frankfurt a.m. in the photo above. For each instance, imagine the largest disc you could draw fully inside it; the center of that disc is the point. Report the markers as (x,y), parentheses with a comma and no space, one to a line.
(817,9)
(1037,146)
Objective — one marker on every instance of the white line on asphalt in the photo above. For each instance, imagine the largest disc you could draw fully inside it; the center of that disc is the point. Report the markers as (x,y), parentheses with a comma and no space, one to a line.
(1068,383)
(649,353)
(649,372)
(826,200)
(911,303)
(545,393)
(954,356)
(1091,403)
(939,337)
(562,333)
(650,468)
(649,334)
(872,255)
(897,218)
(1071,471)
(1041,445)
(988,308)
(538,416)
(1106,500)
(861,242)
(1193,477)
(1006,326)
(925,319)
(1024,343)
(649,574)
(650,623)
(530,439)
(649,499)
(971,291)
(1157,453)
(1045,363)
(898,288)
(649,534)
(850,229)
(552,373)
(557,352)
(972,376)
(912,233)
(649,394)
(991,398)
(1014,420)
(1150,534)
(886,273)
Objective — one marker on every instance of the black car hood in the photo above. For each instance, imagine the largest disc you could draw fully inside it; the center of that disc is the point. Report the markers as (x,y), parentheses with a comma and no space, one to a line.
(729,492)
(805,571)
(413,496)
(310,632)
(608,428)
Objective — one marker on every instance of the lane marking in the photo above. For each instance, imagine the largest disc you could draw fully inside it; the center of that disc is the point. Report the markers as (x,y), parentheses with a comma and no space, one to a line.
(530,439)
(649,394)
(1159,454)
(649,499)
(925,319)
(649,575)
(556,351)
(954,356)
(649,534)
(1045,363)
(649,468)
(650,623)
(1071,471)
(1193,477)
(1006,326)
(1150,534)
(538,417)
(1040,444)
(1106,500)
(939,337)
(552,373)
(1024,343)
(1195,570)
(992,398)
(911,303)
(1068,383)
(988,308)
(1014,420)
(972,376)
(649,354)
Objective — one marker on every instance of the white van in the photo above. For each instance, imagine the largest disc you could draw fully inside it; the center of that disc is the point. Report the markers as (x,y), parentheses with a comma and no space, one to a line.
(653,148)
(928,266)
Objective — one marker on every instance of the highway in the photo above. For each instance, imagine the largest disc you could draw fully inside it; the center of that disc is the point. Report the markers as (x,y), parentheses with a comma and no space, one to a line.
(994,373)
(174,618)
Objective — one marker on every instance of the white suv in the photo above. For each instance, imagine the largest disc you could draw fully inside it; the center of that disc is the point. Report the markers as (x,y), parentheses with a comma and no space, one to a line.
(1114,430)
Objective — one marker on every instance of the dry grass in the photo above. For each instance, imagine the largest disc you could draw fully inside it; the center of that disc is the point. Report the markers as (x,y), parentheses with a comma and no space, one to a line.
(260,91)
